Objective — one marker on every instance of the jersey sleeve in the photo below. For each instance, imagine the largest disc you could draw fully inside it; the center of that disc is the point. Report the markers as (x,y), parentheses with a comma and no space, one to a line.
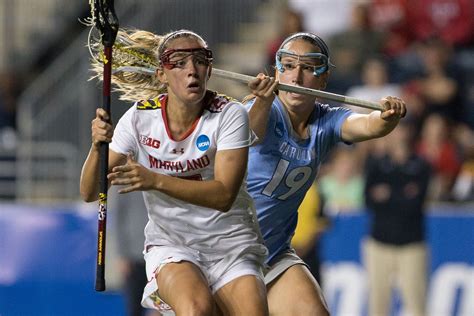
(272,117)
(334,117)
(234,130)
(124,140)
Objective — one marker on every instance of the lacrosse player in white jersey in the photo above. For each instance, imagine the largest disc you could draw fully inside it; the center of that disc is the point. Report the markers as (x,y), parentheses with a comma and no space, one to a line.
(186,148)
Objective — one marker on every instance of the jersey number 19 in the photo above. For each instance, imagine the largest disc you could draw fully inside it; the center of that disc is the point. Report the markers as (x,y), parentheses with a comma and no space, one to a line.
(295,179)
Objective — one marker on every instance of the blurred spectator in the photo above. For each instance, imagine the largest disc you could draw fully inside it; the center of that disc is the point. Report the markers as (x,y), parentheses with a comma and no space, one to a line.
(416,107)
(375,83)
(311,223)
(342,187)
(439,85)
(433,81)
(436,146)
(463,189)
(292,22)
(375,86)
(450,20)
(350,47)
(323,17)
(395,252)
(465,62)
(391,18)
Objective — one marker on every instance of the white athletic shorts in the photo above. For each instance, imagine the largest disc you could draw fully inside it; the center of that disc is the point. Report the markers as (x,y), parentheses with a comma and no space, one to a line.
(218,272)
(282,263)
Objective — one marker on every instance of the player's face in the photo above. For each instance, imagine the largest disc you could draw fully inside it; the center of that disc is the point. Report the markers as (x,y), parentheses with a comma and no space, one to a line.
(187,79)
(300,72)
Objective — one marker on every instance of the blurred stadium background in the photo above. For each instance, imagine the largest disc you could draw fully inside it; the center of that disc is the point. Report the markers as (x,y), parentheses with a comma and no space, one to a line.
(48,236)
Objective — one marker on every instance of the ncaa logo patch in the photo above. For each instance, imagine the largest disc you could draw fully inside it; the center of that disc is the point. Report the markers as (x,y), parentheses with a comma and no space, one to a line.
(203,142)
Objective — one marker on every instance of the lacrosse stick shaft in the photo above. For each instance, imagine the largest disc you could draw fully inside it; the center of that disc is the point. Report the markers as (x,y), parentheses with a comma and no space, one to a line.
(290,88)
(106,22)
(103,182)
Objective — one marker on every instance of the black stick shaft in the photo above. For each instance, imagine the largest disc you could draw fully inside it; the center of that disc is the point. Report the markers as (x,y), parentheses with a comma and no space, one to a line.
(103,182)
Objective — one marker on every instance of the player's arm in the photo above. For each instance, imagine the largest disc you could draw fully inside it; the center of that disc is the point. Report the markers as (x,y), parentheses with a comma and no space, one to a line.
(360,127)
(102,131)
(263,88)
(220,193)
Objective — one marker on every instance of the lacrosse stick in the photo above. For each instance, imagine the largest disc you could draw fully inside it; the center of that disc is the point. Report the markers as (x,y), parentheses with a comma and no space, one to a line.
(302,90)
(106,21)
(130,60)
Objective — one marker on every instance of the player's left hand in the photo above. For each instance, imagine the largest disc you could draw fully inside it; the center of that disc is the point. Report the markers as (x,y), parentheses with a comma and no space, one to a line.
(263,87)
(133,176)
(394,108)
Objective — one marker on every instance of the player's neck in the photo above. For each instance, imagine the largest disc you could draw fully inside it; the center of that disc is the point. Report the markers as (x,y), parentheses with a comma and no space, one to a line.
(299,122)
(181,117)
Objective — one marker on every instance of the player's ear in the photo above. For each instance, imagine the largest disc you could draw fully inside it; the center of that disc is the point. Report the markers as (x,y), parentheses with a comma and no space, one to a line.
(160,74)
(324,80)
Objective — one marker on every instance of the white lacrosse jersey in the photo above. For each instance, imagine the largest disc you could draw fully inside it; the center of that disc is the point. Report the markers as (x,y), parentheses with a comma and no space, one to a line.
(207,233)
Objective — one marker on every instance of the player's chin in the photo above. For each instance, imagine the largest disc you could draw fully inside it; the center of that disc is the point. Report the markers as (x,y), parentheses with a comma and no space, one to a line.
(292,99)
(297,97)
(194,96)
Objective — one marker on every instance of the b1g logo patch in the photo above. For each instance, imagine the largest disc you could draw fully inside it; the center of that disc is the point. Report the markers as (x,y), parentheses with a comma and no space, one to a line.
(203,142)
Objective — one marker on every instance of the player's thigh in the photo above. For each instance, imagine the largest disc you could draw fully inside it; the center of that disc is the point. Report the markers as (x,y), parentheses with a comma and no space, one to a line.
(183,286)
(296,292)
(245,295)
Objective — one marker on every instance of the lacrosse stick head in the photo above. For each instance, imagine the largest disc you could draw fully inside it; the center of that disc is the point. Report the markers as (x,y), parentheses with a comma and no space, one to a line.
(134,63)
(105,20)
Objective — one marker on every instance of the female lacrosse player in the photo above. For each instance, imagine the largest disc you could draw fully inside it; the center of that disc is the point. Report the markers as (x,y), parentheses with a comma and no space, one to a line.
(295,134)
(186,149)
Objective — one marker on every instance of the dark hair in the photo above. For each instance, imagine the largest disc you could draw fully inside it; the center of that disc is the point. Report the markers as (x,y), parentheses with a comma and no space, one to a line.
(310,37)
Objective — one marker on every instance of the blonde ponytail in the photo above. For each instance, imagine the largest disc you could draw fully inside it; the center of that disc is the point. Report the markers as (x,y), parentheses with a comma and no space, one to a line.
(134,62)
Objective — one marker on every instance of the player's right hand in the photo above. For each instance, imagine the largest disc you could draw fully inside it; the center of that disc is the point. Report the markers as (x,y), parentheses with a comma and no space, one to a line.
(263,87)
(102,129)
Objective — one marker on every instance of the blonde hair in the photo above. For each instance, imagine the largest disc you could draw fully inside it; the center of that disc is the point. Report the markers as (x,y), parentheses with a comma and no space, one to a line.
(135,59)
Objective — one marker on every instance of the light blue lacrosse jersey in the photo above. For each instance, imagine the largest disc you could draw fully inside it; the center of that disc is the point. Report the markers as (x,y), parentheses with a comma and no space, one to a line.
(283,167)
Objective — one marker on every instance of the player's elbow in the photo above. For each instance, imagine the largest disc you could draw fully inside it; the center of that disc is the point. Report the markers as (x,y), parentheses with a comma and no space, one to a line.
(259,135)
(89,199)
(225,202)
(224,207)
(88,196)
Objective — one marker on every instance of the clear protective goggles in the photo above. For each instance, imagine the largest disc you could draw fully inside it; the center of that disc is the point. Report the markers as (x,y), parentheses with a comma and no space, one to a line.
(315,63)
(177,58)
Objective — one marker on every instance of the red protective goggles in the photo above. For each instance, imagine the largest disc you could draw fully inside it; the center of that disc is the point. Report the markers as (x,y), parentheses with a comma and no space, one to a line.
(172,58)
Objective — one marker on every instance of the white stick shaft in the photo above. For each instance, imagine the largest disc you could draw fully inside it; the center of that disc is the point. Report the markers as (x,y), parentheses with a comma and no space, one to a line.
(290,88)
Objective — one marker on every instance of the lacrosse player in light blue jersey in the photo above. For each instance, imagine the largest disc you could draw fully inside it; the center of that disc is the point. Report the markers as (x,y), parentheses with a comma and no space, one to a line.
(295,133)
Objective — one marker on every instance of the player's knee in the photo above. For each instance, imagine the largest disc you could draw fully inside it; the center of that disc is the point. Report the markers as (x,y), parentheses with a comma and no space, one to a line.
(196,306)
